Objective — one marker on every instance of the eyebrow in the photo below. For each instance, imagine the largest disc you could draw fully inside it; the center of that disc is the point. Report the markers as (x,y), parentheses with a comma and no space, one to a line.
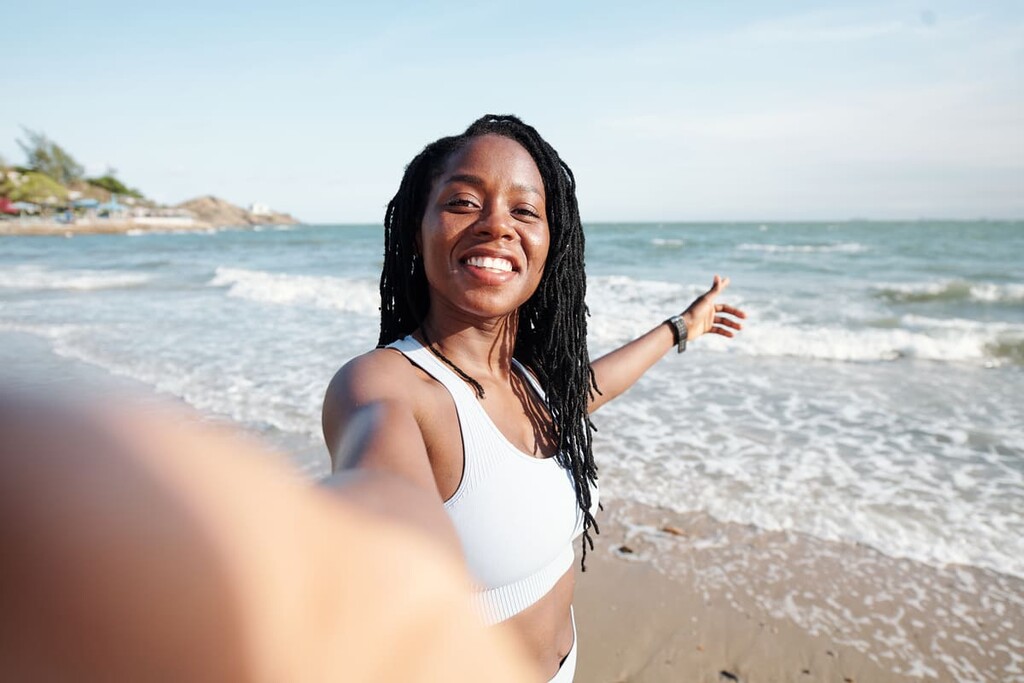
(470,179)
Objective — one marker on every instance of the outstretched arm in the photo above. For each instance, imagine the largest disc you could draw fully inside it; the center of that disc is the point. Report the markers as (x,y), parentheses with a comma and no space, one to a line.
(377,447)
(618,370)
(141,545)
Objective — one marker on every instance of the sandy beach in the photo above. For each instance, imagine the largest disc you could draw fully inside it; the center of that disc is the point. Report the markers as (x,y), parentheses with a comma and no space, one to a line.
(742,605)
(97,227)
(202,214)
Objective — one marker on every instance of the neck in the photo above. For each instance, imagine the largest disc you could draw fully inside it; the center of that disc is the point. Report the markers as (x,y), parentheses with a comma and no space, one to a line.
(482,351)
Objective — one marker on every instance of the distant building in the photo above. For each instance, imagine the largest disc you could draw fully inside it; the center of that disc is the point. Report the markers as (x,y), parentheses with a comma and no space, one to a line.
(257,209)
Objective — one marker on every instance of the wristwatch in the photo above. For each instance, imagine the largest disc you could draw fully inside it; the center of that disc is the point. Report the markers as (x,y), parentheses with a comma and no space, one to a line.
(678,327)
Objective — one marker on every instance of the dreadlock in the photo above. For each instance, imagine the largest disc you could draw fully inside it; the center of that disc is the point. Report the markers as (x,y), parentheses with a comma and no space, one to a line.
(552,330)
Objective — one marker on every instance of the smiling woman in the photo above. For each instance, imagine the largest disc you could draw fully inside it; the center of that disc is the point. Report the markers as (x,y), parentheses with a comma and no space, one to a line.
(483,372)
(484,237)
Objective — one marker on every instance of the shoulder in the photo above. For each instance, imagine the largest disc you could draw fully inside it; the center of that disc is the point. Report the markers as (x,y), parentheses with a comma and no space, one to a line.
(380,374)
(383,376)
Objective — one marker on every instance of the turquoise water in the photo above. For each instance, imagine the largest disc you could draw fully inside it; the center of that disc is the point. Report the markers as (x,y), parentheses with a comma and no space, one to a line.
(874,398)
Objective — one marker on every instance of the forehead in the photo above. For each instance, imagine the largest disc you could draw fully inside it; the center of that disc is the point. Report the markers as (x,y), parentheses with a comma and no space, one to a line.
(495,159)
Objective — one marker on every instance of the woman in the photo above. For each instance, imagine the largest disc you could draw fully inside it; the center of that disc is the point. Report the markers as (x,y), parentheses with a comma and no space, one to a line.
(483,376)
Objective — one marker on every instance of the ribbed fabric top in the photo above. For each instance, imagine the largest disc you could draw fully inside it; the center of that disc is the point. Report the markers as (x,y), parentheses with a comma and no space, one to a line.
(516,515)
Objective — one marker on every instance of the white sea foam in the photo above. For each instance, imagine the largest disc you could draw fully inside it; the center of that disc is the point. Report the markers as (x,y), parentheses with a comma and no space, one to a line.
(334,293)
(242,386)
(843,247)
(32,277)
(948,342)
(917,460)
(623,307)
(273,228)
(667,242)
(993,326)
(951,290)
(847,463)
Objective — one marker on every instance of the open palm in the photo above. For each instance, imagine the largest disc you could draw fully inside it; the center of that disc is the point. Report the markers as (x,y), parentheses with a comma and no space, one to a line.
(705,316)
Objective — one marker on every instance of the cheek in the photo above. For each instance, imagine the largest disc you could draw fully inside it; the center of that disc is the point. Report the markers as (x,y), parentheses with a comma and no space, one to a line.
(435,249)
(540,245)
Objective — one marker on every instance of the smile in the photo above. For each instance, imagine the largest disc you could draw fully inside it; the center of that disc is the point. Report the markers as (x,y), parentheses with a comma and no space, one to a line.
(496,264)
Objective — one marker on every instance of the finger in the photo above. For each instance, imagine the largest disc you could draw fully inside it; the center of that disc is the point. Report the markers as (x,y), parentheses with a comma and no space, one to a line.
(722,331)
(731,310)
(726,322)
(718,285)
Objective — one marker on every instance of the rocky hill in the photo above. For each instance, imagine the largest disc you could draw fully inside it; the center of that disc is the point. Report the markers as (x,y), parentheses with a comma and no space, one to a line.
(219,212)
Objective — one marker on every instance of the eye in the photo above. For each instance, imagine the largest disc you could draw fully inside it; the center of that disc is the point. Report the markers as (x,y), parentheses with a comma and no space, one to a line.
(462,202)
(526,211)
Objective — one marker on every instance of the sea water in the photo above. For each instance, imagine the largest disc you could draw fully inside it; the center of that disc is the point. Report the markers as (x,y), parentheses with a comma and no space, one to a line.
(875,396)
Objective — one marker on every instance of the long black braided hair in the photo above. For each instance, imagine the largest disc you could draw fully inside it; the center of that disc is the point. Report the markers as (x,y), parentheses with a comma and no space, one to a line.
(552,330)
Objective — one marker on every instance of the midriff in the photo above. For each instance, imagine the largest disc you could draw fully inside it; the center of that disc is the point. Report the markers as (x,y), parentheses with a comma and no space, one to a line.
(545,627)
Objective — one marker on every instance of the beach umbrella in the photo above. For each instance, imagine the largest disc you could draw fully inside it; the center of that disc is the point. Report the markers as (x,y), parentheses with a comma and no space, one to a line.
(86,203)
(112,206)
(7,207)
(26,207)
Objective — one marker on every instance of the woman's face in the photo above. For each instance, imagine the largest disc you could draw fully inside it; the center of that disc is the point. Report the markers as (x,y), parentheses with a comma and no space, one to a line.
(484,237)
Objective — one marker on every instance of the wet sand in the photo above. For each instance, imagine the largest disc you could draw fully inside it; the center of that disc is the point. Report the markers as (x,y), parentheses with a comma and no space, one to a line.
(670,597)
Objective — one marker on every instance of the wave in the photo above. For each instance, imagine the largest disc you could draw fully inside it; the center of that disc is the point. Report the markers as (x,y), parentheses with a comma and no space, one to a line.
(38,278)
(273,228)
(947,341)
(951,290)
(320,291)
(1007,351)
(843,247)
(666,242)
(623,308)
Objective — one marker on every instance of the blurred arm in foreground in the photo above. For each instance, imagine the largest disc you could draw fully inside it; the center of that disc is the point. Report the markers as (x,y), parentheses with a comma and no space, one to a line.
(150,547)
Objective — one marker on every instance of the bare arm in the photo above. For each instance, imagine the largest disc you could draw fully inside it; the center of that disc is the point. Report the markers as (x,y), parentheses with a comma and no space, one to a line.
(143,546)
(618,370)
(369,420)
(384,470)
(377,451)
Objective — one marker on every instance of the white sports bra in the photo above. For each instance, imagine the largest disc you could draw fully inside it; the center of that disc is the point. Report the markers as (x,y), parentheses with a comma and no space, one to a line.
(516,515)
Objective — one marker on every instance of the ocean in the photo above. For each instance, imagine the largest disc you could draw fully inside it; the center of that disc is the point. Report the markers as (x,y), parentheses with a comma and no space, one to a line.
(875,398)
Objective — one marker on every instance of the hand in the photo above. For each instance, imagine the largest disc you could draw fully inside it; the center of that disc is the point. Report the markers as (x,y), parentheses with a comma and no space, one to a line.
(704,316)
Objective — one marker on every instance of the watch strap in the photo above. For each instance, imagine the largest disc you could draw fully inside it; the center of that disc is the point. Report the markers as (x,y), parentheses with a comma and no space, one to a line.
(679,331)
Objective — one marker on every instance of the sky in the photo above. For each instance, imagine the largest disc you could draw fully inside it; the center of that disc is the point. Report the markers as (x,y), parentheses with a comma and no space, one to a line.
(665,111)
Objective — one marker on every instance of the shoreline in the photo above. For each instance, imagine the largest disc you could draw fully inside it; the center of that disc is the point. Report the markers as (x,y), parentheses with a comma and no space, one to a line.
(670,597)
(110,227)
(637,625)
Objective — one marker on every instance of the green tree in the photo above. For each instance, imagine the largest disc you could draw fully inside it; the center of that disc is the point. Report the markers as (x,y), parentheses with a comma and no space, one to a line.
(33,187)
(110,183)
(45,156)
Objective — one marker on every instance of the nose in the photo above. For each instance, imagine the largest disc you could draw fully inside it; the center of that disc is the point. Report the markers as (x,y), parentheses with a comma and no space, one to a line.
(495,224)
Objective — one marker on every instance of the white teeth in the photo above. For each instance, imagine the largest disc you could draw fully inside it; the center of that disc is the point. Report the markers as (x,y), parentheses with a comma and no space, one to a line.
(501,264)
